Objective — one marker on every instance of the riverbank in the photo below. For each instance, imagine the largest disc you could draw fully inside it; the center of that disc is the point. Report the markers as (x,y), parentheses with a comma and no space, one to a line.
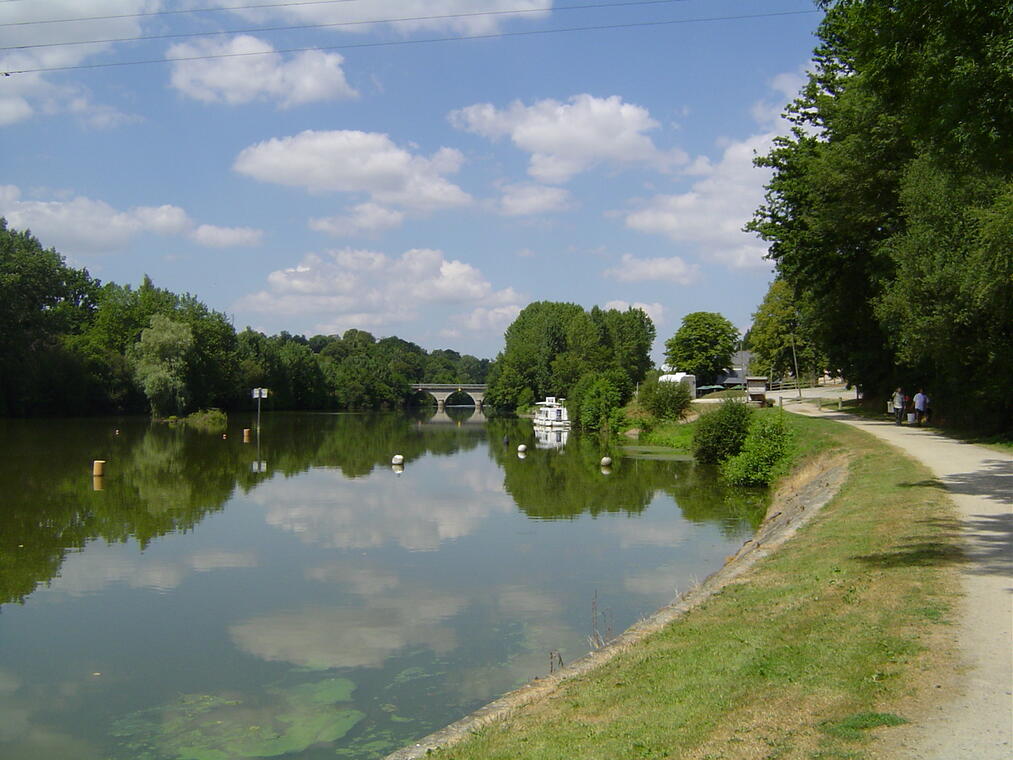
(811,651)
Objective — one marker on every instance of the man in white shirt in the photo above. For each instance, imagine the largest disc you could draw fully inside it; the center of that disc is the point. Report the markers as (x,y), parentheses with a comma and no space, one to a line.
(921,404)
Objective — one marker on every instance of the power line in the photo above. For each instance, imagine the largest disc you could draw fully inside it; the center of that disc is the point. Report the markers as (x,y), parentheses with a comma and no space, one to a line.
(145,14)
(393,43)
(180,35)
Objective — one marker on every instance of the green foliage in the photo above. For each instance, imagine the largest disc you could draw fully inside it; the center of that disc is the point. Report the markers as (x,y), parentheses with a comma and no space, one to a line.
(158,363)
(721,433)
(702,346)
(551,346)
(765,450)
(41,301)
(208,420)
(70,346)
(596,404)
(782,334)
(665,401)
(888,210)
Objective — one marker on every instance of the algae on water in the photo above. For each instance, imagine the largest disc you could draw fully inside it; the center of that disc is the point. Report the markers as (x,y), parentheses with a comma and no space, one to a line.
(213,727)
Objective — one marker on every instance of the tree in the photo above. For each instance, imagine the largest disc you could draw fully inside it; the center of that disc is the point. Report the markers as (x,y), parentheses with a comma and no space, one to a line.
(902,136)
(781,336)
(41,301)
(159,363)
(551,346)
(702,346)
(665,400)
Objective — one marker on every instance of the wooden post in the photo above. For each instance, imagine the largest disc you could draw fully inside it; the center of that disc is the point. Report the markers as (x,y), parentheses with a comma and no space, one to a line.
(98,468)
(246,435)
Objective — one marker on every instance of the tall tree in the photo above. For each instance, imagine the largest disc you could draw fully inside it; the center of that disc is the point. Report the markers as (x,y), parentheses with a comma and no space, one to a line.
(551,346)
(41,301)
(781,337)
(902,136)
(159,363)
(702,346)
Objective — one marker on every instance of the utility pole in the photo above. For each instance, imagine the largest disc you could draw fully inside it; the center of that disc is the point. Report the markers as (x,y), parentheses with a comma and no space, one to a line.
(798,380)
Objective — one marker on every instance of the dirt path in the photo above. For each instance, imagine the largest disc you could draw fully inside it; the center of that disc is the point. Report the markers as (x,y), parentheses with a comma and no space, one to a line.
(977,721)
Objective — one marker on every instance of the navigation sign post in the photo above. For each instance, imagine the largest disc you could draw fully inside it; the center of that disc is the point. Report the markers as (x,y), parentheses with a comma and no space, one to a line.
(259,393)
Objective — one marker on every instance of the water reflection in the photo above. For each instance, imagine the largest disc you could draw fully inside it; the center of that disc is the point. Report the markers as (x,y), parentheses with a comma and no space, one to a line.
(429,591)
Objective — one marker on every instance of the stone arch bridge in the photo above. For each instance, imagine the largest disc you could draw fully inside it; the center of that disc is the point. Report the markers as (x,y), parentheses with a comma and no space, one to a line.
(442,391)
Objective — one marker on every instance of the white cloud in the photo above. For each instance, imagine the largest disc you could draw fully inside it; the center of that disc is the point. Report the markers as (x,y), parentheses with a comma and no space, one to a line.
(671,269)
(250,71)
(226,237)
(565,139)
(496,319)
(422,11)
(767,113)
(356,162)
(710,216)
(654,310)
(365,218)
(26,95)
(83,225)
(102,566)
(529,199)
(358,288)
(323,638)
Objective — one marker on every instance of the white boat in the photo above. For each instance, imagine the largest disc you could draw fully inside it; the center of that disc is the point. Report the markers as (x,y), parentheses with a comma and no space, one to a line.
(551,413)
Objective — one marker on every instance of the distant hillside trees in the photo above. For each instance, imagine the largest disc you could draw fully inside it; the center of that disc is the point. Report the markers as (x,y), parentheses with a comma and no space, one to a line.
(889,210)
(559,349)
(71,345)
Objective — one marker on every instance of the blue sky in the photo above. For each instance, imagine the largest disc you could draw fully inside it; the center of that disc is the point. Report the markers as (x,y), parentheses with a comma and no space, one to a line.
(415,188)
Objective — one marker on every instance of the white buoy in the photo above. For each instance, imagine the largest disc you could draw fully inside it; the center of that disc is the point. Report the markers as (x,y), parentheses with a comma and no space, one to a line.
(606,461)
(397,459)
(521,449)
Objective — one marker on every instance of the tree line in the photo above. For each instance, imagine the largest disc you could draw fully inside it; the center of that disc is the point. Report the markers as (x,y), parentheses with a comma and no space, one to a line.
(592,358)
(71,345)
(890,210)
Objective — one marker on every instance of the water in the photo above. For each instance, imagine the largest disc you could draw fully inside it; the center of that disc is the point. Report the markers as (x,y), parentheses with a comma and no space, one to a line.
(295,597)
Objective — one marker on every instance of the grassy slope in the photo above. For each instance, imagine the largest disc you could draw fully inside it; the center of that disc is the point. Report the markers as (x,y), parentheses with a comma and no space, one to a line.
(823,641)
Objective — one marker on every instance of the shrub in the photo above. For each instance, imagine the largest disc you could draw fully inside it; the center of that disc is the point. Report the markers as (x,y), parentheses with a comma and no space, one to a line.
(666,401)
(767,446)
(595,404)
(208,420)
(721,433)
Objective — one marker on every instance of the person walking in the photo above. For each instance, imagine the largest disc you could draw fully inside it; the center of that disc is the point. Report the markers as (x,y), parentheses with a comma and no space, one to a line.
(921,406)
(898,406)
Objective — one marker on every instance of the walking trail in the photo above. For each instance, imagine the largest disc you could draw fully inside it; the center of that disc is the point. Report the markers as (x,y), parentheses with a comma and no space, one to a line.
(977,721)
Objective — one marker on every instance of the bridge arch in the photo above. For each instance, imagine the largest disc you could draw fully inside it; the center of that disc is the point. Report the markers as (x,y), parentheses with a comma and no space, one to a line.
(442,391)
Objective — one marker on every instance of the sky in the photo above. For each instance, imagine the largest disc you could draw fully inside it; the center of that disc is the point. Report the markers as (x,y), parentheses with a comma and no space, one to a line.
(419,168)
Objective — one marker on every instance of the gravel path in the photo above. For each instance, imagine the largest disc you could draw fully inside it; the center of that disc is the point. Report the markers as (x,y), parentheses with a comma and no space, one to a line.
(977,723)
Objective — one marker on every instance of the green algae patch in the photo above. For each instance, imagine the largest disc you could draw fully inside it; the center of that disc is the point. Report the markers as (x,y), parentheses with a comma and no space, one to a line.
(214,727)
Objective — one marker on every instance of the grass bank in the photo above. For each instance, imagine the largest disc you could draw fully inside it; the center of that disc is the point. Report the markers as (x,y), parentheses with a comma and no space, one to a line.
(812,654)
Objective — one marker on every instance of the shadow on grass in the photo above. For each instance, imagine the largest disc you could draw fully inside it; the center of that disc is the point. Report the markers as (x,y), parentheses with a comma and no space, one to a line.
(982,544)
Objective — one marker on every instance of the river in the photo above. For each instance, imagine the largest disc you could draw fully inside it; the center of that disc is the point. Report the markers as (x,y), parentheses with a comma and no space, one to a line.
(297,596)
